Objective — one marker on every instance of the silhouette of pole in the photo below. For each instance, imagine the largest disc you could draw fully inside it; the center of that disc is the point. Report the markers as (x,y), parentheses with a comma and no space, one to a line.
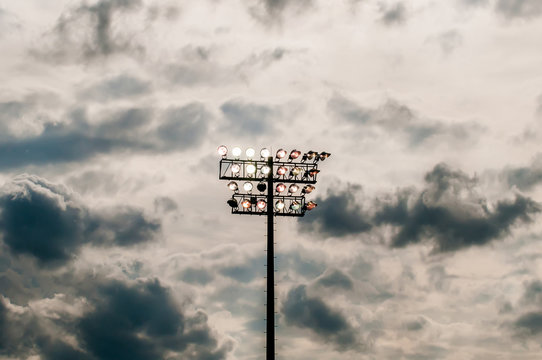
(270,323)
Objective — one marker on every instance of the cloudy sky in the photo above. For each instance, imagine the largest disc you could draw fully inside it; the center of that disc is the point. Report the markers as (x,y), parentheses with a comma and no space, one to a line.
(115,238)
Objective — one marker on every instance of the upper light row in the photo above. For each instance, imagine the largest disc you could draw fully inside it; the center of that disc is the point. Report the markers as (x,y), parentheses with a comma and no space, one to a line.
(281,154)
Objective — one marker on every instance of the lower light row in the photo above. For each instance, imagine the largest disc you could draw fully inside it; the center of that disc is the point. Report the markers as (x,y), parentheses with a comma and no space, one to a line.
(293,188)
(247,204)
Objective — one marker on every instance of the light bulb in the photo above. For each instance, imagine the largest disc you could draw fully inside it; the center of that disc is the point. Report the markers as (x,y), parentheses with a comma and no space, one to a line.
(281,153)
(235,168)
(280,187)
(293,188)
(236,151)
(250,153)
(282,170)
(247,186)
(222,150)
(251,169)
(246,203)
(295,206)
(261,204)
(279,205)
(265,153)
(232,185)
(265,170)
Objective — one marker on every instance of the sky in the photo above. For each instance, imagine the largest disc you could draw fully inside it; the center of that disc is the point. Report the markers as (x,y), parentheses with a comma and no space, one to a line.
(116,241)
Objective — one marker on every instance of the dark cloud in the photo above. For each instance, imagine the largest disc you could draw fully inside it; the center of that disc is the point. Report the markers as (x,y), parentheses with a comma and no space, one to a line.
(272,11)
(513,9)
(338,214)
(49,223)
(336,279)
(533,293)
(245,272)
(395,14)
(474,2)
(314,314)
(249,118)
(137,320)
(88,32)
(118,87)
(416,325)
(450,222)
(397,119)
(529,324)
(197,276)
(524,178)
(132,129)
(164,204)
(448,213)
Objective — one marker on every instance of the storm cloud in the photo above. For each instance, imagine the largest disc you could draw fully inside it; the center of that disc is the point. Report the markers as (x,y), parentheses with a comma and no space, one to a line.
(132,129)
(314,314)
(513,9)
(526,178)
(49,223)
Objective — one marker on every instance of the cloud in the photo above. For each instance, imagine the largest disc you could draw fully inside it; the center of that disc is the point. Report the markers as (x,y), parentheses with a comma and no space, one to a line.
(249,118)
(512,9)
(49,223)
(449,41)
(474,2)
(118,320)
(525,178)
(314,314)
(119,87)
(131,129)
(335,279)
(272,11)
(338,214)
(447,212)
(394,118)
(393,15)
(88,32)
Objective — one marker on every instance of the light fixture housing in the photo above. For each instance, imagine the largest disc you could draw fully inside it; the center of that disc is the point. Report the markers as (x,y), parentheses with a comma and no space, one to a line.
(261,187)
(222,150)
(251,169)
(296,171)
(293,188)
(295,205)
(261,204)
(324,155)
(246,204)
(248,186)
(282,170)
(310,205)
(236,152)
(307,189)
(233,203)
(294,154)
(232,185)
(279,205)
(281,153)
(280,187)
(265,153)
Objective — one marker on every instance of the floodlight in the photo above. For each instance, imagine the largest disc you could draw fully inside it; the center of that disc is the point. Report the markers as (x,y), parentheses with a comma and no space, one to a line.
(280,187)
(250,153)
(282,170)
(295,205)
(313,172)
(324,155)
(265,153)
(246,203)
(261,204)
(265,170)
(232,185)
(279,205)
(251,169)
(261,187)
(236,152)
(247,186)
(235,168)
(296,171)
(232,203)
(294,154)
(307,189)
(222,150)
(310,205)
(293,188)
(281,153)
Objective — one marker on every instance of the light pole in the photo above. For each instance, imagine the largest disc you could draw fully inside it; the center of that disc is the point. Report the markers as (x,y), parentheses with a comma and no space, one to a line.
(275,176)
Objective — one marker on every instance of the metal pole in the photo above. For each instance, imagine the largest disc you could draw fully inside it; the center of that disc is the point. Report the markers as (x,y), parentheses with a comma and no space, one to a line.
(270,325)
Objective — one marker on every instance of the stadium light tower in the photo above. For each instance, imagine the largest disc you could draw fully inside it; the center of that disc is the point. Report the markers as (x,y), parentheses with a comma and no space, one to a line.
(282,183)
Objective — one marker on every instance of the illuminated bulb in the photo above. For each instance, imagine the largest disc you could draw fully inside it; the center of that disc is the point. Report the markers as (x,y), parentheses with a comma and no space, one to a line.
(265,153)
(307,189)
(279,205)
(282,170)
(261,204)
(251,169)
(235,168)
(295,206)
(247,186)
(232,185)
(250,153)
(281,187)
(246,203)
(311,205)
(296,171)
(236,151)
(281,153)
(265,170)
(294,154)
(293,188)
(222,150)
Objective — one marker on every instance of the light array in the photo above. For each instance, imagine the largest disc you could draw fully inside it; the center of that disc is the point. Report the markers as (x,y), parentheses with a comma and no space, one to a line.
(292,175)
